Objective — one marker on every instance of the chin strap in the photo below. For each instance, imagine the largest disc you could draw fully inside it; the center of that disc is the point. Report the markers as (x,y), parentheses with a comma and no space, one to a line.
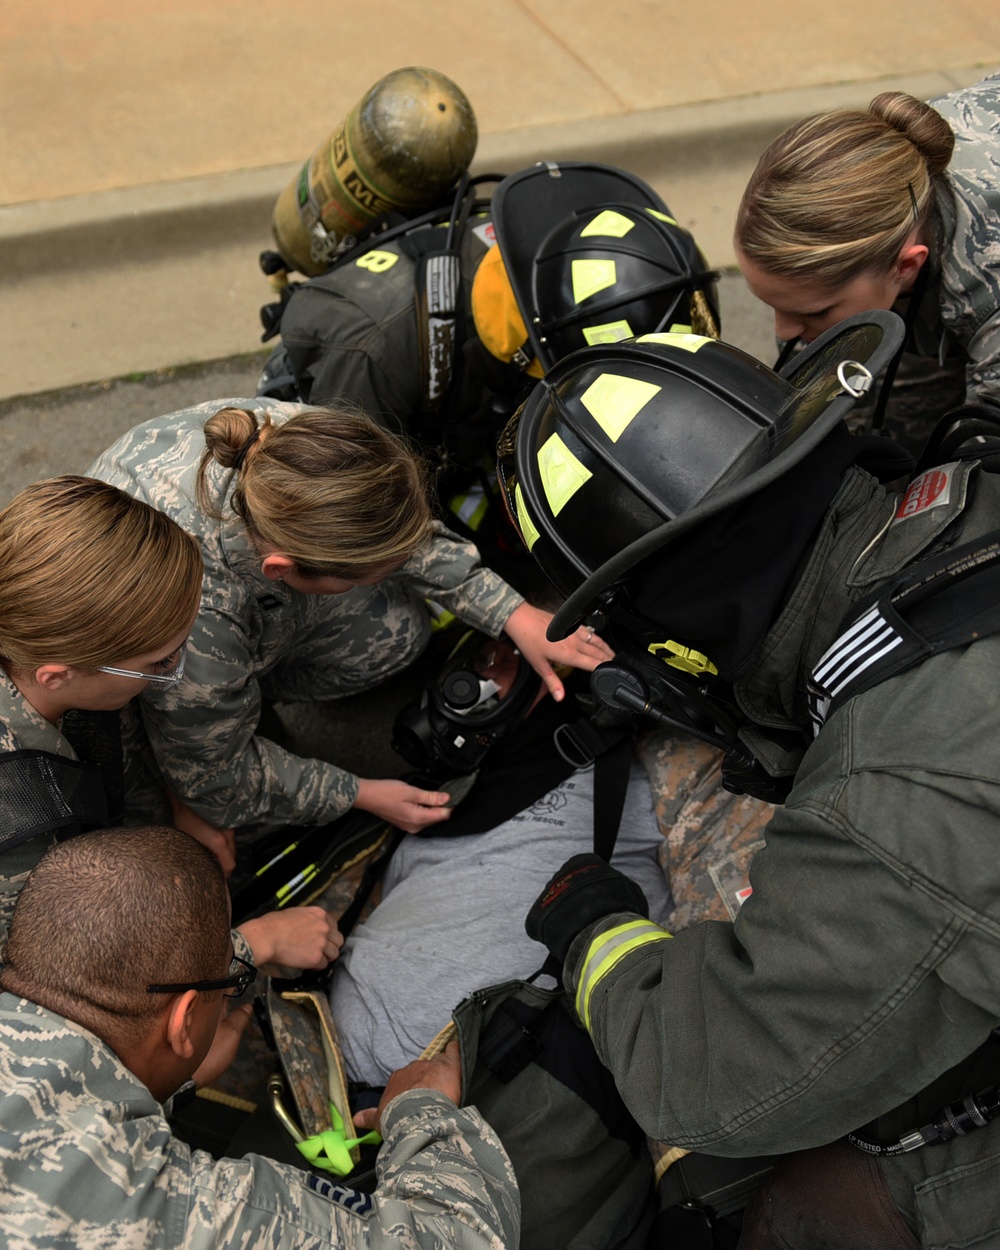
(909,321)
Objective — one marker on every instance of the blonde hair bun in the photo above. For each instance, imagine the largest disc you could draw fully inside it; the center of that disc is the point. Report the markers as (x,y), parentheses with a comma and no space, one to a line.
(925,128)
(329,488)
(228,432)
(838,194)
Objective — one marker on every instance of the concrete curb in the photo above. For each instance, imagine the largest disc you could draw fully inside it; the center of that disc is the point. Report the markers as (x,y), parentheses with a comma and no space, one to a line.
(656,144)
(138,260)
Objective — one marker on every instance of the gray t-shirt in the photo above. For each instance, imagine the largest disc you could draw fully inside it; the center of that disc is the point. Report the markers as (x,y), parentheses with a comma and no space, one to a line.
(452,915)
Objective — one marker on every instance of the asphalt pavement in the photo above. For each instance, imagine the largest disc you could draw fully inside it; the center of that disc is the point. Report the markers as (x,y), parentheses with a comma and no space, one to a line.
(64,430)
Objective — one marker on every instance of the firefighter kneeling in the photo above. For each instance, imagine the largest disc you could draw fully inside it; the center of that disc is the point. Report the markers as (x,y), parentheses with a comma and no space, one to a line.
(838,641)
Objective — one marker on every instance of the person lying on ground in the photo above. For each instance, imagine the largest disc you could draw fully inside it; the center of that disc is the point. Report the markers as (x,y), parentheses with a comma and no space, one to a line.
(443,926)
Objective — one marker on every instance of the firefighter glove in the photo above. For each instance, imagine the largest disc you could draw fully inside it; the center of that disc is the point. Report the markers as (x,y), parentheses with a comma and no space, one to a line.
(583,890)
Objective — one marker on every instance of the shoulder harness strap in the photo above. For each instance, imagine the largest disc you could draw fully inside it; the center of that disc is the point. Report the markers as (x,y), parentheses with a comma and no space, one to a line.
(437,293)
(438,296)
(41,792)
(45,793)
(935,605)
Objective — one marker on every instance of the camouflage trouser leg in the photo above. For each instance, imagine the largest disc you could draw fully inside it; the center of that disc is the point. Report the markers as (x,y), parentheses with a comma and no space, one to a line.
(709,835)
(355,641)
(709,839)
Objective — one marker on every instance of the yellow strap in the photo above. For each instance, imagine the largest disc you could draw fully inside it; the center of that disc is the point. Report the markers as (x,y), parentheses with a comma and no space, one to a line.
(666,1161)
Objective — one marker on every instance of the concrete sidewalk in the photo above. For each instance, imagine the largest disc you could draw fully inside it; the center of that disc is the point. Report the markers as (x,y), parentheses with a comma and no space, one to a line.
(143,148)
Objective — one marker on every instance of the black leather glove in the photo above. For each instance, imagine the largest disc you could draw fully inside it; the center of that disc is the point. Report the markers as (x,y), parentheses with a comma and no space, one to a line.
(583,890)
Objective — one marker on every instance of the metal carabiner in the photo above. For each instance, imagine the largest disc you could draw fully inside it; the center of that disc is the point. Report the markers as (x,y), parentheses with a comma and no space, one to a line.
(859,385)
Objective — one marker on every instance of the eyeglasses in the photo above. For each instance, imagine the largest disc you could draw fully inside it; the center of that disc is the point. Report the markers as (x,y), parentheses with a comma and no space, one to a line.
(241,976)
(175,663)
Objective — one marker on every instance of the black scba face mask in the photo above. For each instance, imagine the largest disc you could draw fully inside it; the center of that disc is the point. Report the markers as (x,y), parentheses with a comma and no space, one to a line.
(485,690)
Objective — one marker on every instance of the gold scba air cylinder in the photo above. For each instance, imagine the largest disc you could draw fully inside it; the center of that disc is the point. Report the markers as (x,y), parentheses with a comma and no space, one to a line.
(406,142)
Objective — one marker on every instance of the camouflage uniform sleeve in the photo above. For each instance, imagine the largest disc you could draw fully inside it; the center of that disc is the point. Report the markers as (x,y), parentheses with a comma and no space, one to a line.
(241,947)
(202,735)
(983,372)
(444,1178)
(447,570)
(970,287)
(445,1183)
(968,204)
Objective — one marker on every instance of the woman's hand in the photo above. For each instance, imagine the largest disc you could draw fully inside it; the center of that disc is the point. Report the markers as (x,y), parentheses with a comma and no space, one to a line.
(526,628)
(221,842)
(407,807)
(300,937)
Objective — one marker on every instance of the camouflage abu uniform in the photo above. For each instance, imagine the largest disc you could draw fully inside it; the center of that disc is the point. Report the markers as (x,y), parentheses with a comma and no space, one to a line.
(963,298)
(87,1160)
(24,729)
(255,636)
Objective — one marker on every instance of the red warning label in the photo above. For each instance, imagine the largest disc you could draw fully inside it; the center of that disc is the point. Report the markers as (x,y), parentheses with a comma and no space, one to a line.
(930,490)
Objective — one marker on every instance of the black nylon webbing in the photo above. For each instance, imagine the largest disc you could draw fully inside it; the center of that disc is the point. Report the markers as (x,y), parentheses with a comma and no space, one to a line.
(43,793)
(96,737)
(611,772)
(935,605)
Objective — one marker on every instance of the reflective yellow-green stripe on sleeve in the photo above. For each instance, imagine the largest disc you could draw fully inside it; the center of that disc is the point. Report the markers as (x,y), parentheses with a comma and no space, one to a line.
(605,951)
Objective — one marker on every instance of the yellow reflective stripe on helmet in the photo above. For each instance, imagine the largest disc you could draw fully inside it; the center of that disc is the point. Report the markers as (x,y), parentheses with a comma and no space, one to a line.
(591,276)
(677,328)
(528,531)
(606,951)
(687,342)
(562,474)
(661,216)
(610,224)
(614,402)
(613,332)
